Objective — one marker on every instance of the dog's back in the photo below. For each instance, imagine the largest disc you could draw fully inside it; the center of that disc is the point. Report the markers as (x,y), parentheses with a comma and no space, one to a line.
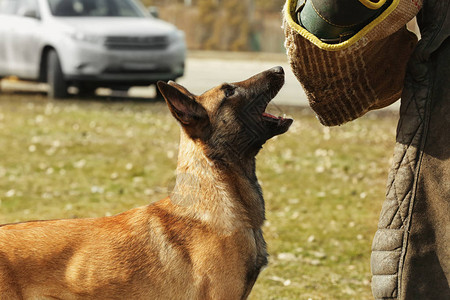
(141,252)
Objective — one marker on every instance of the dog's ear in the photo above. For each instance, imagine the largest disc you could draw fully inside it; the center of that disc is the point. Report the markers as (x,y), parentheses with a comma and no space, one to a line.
(185,109)
(180,88)
(181,103)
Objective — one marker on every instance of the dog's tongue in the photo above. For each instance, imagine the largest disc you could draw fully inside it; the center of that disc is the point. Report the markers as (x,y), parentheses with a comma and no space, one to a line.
(271,116)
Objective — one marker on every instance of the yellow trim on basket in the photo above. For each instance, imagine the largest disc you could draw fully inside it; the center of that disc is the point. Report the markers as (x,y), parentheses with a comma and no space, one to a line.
(372,5)
(290,12)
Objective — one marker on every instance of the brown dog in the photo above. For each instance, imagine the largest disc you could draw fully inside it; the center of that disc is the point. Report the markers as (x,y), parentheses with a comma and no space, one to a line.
(202,242)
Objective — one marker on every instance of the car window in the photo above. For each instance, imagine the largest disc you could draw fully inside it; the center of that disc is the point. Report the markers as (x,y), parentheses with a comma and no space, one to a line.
(8,7)
(94,8)
(19,7)
(26,6)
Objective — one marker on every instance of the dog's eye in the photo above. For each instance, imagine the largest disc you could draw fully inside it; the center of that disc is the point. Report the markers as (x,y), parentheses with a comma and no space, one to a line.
(229,91)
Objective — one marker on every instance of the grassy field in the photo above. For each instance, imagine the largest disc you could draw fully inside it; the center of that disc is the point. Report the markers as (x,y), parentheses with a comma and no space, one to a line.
(323,186)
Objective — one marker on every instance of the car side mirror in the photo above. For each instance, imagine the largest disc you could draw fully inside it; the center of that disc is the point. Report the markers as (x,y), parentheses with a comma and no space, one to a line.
(154,11)
(31,13)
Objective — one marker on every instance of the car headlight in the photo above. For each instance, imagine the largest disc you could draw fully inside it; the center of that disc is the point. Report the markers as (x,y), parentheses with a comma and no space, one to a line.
(177,36)
(89,38)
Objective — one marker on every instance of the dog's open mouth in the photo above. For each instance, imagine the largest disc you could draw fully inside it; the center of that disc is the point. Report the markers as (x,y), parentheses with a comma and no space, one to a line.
(277,124)
(276,120)
(270,82)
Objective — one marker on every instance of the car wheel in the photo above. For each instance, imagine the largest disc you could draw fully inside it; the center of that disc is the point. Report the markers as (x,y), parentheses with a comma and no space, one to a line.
(57,86)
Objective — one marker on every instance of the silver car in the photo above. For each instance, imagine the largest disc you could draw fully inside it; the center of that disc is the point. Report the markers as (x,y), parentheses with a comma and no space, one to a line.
(87,44)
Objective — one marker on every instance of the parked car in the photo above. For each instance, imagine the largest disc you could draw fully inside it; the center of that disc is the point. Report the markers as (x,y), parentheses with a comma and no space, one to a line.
(87,44)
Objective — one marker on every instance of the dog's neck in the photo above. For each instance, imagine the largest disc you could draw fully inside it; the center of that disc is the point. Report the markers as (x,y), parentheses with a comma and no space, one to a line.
(226,196)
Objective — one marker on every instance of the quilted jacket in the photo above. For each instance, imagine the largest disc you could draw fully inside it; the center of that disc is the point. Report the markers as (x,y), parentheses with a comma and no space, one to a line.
(411,249)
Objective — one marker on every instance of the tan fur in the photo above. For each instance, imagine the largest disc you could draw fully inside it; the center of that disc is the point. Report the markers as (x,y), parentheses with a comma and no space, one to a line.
(202,242)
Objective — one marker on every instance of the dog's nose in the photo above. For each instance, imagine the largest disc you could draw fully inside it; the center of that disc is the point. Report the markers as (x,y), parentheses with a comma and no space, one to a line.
(278,70)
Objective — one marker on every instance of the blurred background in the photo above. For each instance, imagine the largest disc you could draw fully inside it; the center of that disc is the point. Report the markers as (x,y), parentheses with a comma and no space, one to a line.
(74,47)
(231,25)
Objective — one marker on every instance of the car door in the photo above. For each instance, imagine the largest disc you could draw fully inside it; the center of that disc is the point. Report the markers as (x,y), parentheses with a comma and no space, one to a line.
(24,40)
(7,10)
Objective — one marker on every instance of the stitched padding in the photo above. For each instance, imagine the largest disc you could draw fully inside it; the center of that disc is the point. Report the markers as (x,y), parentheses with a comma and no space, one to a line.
(390,241)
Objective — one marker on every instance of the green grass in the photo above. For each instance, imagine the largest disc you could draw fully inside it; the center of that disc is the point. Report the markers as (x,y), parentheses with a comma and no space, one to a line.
(323,186)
